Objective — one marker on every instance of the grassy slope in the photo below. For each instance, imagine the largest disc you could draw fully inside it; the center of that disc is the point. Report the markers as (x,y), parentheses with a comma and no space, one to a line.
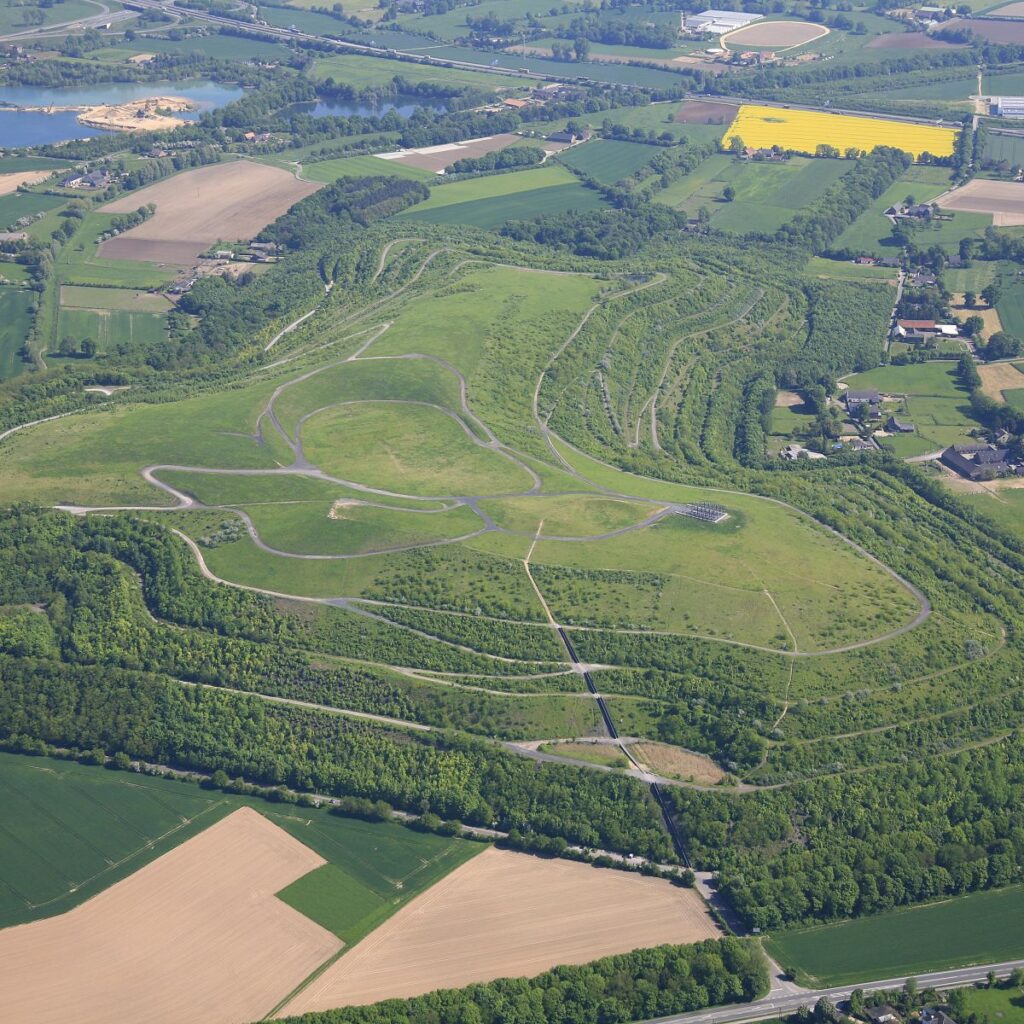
(14,327)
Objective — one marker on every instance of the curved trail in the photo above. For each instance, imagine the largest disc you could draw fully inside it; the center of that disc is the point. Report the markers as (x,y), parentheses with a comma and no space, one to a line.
(302,467)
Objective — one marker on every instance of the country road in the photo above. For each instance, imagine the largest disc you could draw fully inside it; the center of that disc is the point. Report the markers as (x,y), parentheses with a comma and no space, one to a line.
(785,998)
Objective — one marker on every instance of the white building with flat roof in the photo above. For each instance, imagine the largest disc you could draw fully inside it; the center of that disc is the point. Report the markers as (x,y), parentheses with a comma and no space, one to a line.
(714,22)
(1008,106)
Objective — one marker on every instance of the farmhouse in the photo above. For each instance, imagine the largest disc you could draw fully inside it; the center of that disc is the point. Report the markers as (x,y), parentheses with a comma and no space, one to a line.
(792,452)
(913,211)
(567,136)
(884,1014)
(1007,106)
(94,179)
(929,1015)
(910,329)
(898,426)
(977,460)
(856,401)
(712,22)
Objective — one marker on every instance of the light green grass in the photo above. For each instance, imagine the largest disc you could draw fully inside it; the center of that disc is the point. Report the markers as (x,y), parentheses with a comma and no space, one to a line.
(839,270)
(970,279)
(576,515)
(592,753)
(113,298)
(16,205)
(981,928)
(490,201)
(15,323)
(110,327)
(767,194)
(359,166)
(1005,1005)
(492,213)
(406,449)
(608,160)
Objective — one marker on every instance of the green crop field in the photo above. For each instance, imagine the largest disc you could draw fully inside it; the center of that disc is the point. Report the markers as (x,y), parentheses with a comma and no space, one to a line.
(13,19)
(220,46)
(355,166)
(607,160)
(1008,148)
(16,205)
(981,928)
(12,164)
(15,323)
(71,831)
(488,202)
(108,327)
(1011,301)
(81,297)
(767,194)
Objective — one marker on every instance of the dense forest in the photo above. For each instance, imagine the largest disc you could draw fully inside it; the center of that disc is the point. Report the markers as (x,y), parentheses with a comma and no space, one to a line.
(640,985)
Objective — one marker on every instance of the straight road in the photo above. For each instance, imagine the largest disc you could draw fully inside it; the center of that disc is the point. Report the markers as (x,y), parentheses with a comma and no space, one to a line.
(782,1000)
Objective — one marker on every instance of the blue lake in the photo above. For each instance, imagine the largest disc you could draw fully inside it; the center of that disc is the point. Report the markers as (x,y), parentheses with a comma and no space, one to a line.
(35,128)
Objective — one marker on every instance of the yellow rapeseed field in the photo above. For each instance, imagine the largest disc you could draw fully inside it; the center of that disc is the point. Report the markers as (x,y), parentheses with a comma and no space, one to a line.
(804,130)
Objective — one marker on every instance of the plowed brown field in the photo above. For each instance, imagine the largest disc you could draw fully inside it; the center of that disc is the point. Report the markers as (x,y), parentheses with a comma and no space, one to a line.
(507,914)
(197,935)
(227,202)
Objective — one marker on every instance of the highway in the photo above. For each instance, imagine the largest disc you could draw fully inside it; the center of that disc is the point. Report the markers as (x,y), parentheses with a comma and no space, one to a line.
(785,997)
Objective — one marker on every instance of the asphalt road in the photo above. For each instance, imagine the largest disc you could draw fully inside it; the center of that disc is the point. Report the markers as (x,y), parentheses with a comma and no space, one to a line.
(784,1000)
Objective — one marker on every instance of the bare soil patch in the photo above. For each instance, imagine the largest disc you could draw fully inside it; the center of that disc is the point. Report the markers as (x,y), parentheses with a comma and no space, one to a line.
(677,763)
(783,34)
(1010,11)
(909,41)
(990,31)
(1003,199)
(506,914)
(705,112)
(999,377)
(223,202)
(788,400)
(10,182)
(437,158)
(197,935)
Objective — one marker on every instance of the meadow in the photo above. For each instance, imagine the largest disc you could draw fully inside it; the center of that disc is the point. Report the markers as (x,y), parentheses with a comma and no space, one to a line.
(871,232)
(15,323)
(16,205)
(935,403)
(804,130)
(72,831)
(108,327)
(490,201)
(1005,147)
(981,928)
(767,195)
(607,160)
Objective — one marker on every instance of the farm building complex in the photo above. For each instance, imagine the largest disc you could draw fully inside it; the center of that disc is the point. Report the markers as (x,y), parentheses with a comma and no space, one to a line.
(716,23)
(1008,106)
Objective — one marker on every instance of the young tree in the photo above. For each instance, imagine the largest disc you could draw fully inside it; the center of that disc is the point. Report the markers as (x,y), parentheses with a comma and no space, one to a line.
(88,348)
(970,300)
(990,293)
(728,193)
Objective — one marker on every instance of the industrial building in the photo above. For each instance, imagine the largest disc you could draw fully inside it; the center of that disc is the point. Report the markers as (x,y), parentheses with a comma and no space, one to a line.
(1008,106)
(715,22)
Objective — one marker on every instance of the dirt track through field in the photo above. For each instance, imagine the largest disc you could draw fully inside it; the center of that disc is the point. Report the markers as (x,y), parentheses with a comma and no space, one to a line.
(222,202)
(507,914)
(197,935)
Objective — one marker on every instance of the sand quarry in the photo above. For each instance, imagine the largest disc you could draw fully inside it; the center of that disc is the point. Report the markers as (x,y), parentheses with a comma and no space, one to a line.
(222,202)
(197,935)
(505,914)
(1003,199)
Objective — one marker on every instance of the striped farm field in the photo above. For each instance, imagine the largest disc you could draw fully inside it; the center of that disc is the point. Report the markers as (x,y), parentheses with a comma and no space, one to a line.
(804,130)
